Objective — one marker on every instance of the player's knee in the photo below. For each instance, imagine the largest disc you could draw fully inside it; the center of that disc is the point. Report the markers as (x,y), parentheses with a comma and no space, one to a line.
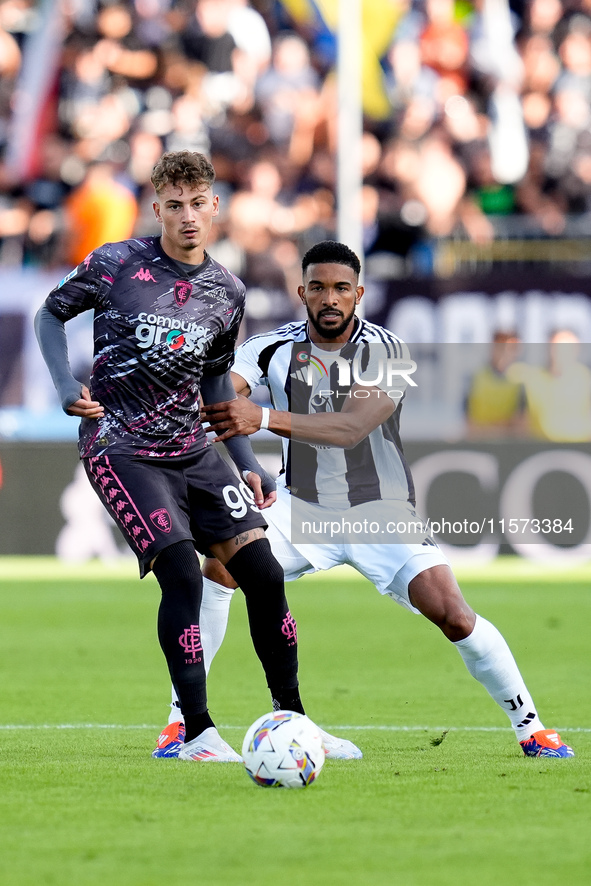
(254,565)
(214,571)
(177,568)
(435,593)
(458,622)
(455,622)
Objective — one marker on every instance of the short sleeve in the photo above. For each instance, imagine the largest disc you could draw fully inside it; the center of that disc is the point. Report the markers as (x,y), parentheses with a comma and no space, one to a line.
(247,365)
(86,287)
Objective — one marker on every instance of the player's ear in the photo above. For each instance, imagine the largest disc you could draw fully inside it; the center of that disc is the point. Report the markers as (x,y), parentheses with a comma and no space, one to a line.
(216,204)
(302,293)
(359,294)
(156,208)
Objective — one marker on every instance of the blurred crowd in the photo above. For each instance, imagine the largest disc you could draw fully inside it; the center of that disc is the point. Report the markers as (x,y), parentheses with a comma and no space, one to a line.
(540,392)
(473,112)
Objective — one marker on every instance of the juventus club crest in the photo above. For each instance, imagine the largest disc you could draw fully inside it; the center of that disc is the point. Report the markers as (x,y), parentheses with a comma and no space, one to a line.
(182,291)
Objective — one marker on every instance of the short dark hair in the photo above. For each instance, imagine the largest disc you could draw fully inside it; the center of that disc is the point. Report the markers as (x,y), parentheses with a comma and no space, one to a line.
(331,252)
(182,167)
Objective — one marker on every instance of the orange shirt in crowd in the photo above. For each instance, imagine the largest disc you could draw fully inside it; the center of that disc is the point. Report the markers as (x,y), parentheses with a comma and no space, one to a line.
(101,210)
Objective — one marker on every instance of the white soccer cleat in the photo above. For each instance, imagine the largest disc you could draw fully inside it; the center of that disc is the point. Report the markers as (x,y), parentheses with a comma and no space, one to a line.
(209,747)
(339,748)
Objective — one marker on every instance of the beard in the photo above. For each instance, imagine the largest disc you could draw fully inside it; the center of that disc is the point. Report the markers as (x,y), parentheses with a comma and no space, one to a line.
(331,331)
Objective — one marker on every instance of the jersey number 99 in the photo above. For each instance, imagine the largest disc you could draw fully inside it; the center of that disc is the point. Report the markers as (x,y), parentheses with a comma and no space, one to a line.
(239,499)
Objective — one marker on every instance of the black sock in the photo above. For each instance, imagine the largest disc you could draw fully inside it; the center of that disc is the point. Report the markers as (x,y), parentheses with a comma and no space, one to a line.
(288,701)
(272,627)
(178,574)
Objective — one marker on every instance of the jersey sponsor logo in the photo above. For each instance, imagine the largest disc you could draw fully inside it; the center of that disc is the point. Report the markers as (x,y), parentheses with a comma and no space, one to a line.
(175,340)
(161,519)
(144,274)
(182,291)
(180,335)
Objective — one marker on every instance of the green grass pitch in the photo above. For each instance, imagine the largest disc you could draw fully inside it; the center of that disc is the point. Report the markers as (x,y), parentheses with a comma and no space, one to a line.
(442,796)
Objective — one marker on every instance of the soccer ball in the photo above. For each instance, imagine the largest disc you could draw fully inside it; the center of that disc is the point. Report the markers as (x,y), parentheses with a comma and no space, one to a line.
(283,750)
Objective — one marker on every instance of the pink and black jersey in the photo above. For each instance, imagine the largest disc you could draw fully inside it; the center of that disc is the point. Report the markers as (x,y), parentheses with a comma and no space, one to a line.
(157,329)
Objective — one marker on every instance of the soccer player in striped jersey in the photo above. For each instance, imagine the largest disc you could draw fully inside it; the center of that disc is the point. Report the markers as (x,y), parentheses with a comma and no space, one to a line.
(342,465)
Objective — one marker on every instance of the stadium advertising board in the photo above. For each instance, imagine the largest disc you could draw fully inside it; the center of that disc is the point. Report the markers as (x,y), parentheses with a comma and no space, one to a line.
(532,299)
(533,499)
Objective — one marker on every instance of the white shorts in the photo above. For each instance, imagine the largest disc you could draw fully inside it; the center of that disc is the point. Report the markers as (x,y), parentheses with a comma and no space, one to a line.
(390,567)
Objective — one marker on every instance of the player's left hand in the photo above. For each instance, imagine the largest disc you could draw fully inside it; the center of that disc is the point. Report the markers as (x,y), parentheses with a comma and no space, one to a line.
(238,416)
(86,407)
(261,500)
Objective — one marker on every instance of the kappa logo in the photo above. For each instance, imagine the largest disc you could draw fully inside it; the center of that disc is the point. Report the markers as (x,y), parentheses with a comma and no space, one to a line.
(161,519)
(144,274)
(182,291)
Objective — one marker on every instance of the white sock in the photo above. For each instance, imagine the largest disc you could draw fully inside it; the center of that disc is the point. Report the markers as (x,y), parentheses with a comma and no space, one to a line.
(213,621)
(215,612)
(489,660)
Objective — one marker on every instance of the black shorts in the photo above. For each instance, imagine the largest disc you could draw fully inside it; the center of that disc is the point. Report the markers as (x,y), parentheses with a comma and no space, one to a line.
(159,502)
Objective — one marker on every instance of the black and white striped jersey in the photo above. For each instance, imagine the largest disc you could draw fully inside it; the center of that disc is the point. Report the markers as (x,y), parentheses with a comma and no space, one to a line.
(303,378)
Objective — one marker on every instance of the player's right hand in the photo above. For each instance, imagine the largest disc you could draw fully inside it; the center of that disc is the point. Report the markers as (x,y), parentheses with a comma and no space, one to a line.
(235,417)
(85,407)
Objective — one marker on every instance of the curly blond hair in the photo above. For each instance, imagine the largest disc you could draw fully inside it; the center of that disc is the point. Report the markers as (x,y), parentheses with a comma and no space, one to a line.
(182,167)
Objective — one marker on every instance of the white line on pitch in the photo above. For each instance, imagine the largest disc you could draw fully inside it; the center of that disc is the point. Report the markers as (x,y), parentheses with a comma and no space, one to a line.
(382,728)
